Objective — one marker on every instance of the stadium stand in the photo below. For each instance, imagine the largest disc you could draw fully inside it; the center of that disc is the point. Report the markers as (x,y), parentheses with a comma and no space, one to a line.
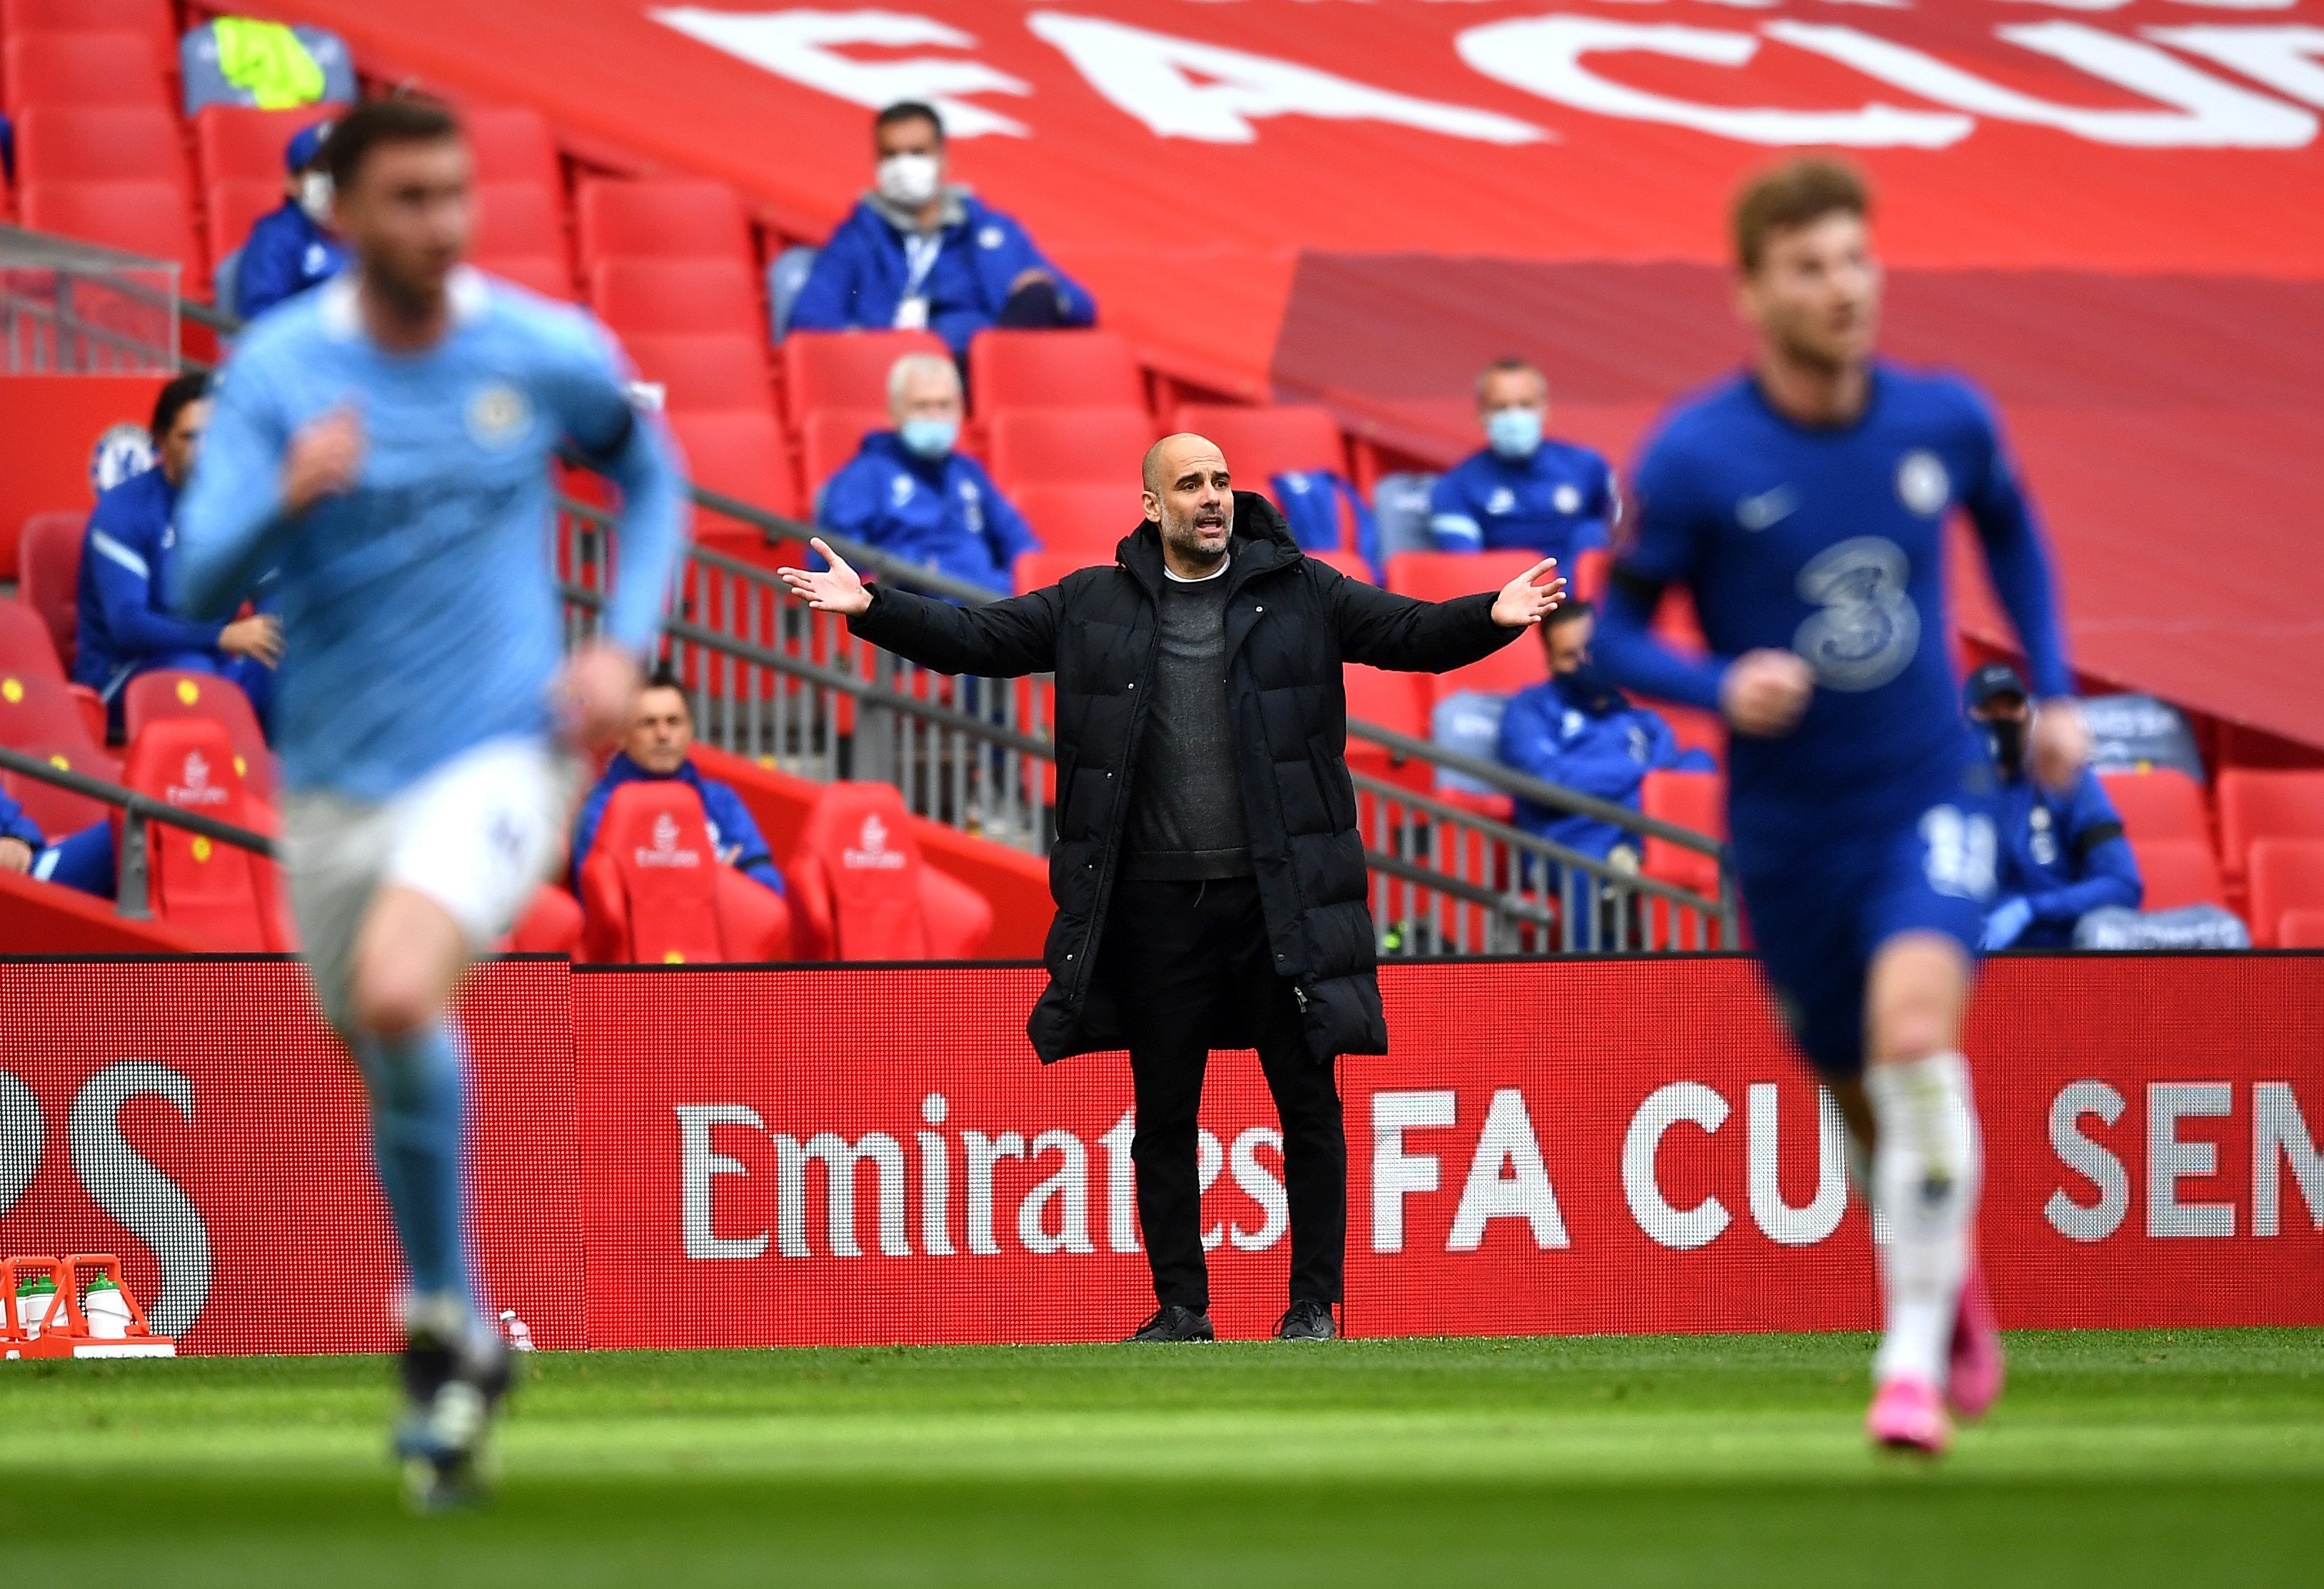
(520,235)
(551,924)
(1081,521)
(705,372)
(1261,443)
(1691,800)
(2284,874)
(651,296)
(152,20)
(150,218)
(1390,701)
(862,890)
(98,143)
(837,369)
(2179,872)
(44,66)
(1067,446)
(49,576)
(167,695)
(660,218)
(654,891)
(2301,929)
(828,438)
(512,146)
(1438,576)
(739,453)
(2161,803)
(2257,804)
(226,895)
(1053,370)
(241,143)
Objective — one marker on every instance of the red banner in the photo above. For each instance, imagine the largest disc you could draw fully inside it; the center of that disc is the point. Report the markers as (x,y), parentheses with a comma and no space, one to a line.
(705,1156)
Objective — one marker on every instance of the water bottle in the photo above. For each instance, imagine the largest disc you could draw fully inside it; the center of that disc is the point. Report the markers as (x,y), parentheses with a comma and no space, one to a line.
(35,1293)
(520,1334)
(105,1308)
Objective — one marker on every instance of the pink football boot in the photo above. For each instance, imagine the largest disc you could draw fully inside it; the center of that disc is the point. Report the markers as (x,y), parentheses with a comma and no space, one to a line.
(1973,1380)
(1908,1415)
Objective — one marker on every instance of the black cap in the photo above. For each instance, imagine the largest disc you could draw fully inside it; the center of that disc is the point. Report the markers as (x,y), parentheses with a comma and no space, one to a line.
(1995,678)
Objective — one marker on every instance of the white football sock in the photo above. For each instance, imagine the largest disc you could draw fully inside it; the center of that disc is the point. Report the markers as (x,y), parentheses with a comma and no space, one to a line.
(1925,1172)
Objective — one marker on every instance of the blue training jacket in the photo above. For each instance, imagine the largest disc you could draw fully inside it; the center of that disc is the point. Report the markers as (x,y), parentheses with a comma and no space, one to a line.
(15,824)
(125,622)
(1559,502)
(1590,741)
(859,278)
(941,513)
(733,832)
(286,255)
(2064,855)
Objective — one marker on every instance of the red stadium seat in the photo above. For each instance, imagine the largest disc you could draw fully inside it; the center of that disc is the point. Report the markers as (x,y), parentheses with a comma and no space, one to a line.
(1390,701)
(2254,805)
(2301,929)
(847,369)
(830,436)
(1347,563)
(1054,370)
(2179,872)
(167,695)
(239,143)
(2286,875)
(654,891)
(58,812)
(49,576)
(865,892)
(118,67)
(28,648)
(213,890)
(1068,446)
(1438,576)
(150,218)
(1260,442)
(650,296)
(2161,803)
(1694,730)
(545,274)
(1036,570)
(552,924)
(512,143)
(233,205)
(661,217)
(152,20)
(1085,520)
(739,455)
(1688,800)
(99,143)
(727,372)
(517,220)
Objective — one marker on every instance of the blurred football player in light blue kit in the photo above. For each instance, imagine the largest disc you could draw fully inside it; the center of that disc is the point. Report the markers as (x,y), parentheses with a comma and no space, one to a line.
(1803,503)
(383,443)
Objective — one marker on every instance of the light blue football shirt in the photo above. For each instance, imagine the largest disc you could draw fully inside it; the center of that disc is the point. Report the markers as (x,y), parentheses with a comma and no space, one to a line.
(420,611)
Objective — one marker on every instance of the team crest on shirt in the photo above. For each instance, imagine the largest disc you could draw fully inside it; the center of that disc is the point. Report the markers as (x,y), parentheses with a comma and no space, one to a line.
(1502,501)
(497,415)
(991,237)
(1921,482)
(900,489)
(1565,500)
(123,450)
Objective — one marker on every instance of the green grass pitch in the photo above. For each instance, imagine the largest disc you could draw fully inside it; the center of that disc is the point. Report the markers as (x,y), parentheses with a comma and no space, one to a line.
(2118,1458)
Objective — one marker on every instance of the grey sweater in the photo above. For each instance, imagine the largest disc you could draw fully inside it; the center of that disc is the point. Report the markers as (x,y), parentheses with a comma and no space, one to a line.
(1186,806)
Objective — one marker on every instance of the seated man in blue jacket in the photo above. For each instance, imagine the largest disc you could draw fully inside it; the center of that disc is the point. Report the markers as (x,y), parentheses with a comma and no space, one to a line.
(82,860)
(908,494)
(660,746)
(2062,851)
(291,247)
(125,627)
(1577,731)
(918,252)
(1524,491)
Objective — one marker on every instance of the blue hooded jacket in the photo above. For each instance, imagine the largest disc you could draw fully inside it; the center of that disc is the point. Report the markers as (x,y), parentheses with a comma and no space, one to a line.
(1586,737)
(733,835)
(286,255)
(859,278)
(941,513)
(2064,855)
(124,623)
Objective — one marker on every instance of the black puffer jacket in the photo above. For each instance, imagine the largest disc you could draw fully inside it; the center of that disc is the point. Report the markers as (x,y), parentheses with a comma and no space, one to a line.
(1291,623)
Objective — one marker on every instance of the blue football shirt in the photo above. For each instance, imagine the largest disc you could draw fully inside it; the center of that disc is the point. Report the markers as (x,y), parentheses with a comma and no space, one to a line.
(1557,501)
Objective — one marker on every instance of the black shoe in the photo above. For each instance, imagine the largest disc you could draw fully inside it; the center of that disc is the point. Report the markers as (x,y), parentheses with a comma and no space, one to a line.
(453,1389)
(1307,1319)
(1172,1323)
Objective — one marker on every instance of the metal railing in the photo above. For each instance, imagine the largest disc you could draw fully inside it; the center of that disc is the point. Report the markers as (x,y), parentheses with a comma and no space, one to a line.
(74,309)
(133,868)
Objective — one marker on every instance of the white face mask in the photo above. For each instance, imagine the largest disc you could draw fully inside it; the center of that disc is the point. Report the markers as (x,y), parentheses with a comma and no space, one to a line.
(909,180)
(315,197)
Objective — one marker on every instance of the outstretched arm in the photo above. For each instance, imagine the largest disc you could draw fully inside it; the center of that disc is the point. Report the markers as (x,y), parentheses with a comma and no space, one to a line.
(1383,630)
(1001,639)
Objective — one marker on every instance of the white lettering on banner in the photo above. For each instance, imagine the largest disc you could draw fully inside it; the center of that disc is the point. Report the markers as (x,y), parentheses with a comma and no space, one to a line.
(1210,1158)
(2284,58)
(1121,1184)
(935,1177)
(124,1183)
(804,46)
(1396,1174)
(1068,1187)
(1783,1223)
(1260,1186)
(841,1158)
(1186,89)
(2170,1159)
(2087,1222)
(698,1162)
(1506,1142)
(2279,1131)
(2206,112)
(1668,1105)
(983,1153)
(1545,55)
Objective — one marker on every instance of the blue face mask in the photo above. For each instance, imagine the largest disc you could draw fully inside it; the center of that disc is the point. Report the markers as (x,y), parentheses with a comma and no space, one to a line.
(1587,686)
(1513,433)
(927,437)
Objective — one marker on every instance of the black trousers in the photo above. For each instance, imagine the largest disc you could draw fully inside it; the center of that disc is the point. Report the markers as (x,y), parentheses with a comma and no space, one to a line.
(1187,962)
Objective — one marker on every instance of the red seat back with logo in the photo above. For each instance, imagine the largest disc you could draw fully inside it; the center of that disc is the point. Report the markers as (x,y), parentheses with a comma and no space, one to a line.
(214,890)
(649,886)
(168,692)
(861,891)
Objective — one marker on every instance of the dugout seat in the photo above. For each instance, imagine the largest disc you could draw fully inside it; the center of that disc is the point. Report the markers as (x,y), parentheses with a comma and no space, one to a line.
(830,436)
(512,143)
(149,218)
(2255,805)
(1054,370)
(241,143)
(1390,701)
(2178,872)
(99,143)
(2286,875)
(2160,804)
(1439,576)
(1688,800)
(520,234)
(654,892)
(27,646)
(864,891)
(45,65)
(1067,446)
(168,695)
(719,371)
(215,891)
(552,924)
(1263,442)
(661,218)
(48,573)
(2301,929)
(648,297)
(847,369)
(1086,520)
(738,454)
(58,811)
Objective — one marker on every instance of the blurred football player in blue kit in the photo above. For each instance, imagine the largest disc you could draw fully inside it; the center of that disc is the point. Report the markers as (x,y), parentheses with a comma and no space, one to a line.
(383,443)
(1804,504)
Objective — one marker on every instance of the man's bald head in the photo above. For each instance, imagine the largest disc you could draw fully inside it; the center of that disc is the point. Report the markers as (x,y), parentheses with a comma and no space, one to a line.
(1190,498)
